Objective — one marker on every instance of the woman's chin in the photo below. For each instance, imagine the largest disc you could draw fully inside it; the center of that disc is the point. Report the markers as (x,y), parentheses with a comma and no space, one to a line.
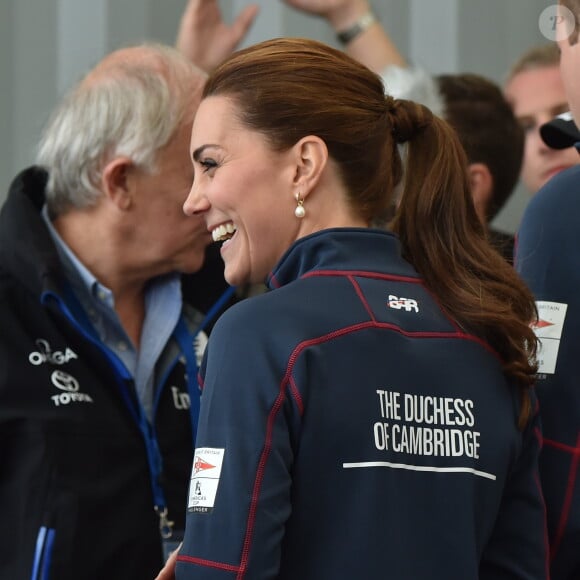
(234,277)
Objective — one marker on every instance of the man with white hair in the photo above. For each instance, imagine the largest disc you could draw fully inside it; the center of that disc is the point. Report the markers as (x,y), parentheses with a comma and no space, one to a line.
(98,370)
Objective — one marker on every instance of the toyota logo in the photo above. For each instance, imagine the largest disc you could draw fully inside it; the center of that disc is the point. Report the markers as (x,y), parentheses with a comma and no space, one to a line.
(64,381)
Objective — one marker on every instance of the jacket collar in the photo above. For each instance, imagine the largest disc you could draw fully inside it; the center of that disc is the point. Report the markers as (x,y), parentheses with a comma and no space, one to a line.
(26,248)
(342,250)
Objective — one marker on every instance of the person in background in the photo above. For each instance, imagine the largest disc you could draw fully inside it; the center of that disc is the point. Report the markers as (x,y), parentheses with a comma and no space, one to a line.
(535,90)
(380,393)
(472,104)
(547,259)
(99,352)
(493,141)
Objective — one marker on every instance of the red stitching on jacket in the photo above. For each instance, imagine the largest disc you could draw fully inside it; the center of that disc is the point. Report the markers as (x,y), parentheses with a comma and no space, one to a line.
(259,477)
(364,274)
(567,504)
(297,396)
(362,298)
(538,433)
(562,446)
(207,563)
(545,534)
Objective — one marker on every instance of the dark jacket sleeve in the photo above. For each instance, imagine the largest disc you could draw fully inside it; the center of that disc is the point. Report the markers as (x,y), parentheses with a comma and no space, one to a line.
(236,529)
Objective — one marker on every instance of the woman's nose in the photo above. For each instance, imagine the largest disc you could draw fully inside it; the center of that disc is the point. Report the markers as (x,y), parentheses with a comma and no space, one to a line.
(196,202)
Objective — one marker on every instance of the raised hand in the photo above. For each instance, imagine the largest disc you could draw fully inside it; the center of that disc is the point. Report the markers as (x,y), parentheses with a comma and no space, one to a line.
(205,38)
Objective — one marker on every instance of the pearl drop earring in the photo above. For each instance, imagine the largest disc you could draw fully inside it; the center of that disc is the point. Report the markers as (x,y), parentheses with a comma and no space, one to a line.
(299,212)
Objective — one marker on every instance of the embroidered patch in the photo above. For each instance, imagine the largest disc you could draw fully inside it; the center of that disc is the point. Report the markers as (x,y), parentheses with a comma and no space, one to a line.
(45,354)
(70,386)
(548,329)
(407,304)
(205,478)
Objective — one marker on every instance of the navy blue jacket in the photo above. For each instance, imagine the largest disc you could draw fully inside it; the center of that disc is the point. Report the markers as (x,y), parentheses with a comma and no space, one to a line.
(548,258)
(80,472)
(349,429)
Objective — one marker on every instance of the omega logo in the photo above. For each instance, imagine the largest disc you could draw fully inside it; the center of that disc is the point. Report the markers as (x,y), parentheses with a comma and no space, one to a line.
(45,354)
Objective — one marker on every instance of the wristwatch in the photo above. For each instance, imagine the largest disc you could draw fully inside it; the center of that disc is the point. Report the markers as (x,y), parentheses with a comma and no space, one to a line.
(348,35)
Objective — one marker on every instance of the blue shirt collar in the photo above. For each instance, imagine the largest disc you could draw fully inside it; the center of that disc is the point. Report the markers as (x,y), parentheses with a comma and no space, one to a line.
(76,272)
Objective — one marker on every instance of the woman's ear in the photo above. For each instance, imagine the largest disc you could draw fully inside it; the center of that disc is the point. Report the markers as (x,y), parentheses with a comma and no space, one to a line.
(117,182)
(311,157)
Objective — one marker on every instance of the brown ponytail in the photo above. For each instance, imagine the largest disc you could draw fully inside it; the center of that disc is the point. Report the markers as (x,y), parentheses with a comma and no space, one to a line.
(443,238)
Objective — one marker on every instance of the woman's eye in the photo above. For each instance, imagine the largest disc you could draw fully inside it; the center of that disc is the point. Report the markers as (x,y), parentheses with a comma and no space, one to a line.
(207,164)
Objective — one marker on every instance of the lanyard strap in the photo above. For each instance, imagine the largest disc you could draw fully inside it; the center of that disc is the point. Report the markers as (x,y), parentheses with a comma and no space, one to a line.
(186,340)
(186,345)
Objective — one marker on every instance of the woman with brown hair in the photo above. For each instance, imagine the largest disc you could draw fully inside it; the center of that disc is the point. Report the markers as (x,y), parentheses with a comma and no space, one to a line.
(372,415)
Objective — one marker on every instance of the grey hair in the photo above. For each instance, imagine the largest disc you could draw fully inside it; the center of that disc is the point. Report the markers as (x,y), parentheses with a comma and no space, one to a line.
(131,110)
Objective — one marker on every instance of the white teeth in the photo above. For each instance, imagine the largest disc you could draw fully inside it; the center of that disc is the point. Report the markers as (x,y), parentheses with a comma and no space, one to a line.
(223,232)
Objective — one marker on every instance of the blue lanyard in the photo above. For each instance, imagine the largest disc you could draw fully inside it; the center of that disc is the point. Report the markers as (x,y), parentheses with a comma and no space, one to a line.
(186,345)
(186,339)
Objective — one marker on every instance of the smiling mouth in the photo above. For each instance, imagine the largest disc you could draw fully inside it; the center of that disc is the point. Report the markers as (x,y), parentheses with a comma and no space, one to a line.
(223,232)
